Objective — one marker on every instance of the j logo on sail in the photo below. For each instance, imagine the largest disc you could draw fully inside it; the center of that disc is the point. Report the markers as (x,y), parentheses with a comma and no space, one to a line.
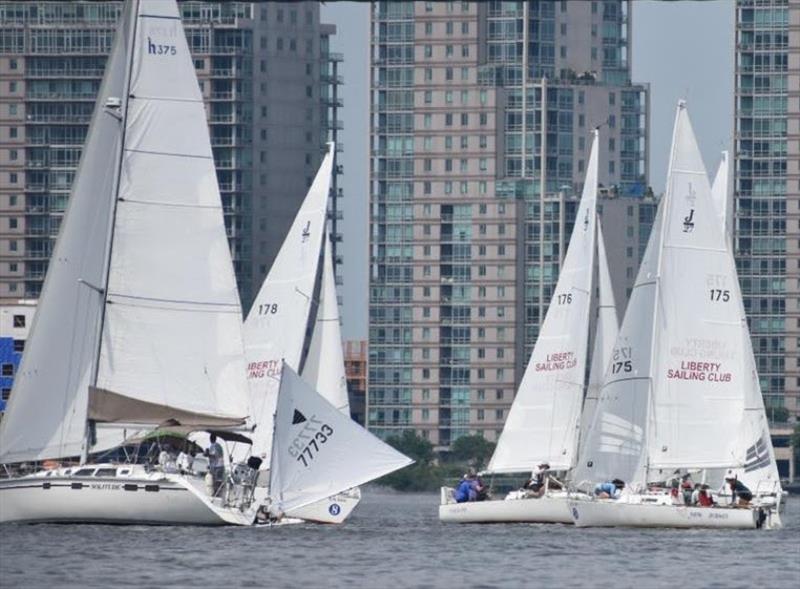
(306,232)
(688,224)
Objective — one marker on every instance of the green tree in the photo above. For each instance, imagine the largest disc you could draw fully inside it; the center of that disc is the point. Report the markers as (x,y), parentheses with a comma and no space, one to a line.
(413,446)
(778,414)
(475,450)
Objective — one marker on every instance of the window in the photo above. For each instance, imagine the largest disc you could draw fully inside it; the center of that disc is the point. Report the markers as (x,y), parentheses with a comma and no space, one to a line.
(464,119)
(12,87)
(5,394)
(484,119)
(464,74)
(464,142)
(465,51)
(12,245)
(448,142)
(19,320)
(428,97)
(465,28)
(429,28)
(448,74)
(449,27)
(12,64)
(8,369)
(428,51)
(12,132)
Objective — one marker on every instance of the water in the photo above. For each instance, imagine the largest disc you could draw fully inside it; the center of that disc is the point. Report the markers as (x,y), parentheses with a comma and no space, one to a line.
(395,540)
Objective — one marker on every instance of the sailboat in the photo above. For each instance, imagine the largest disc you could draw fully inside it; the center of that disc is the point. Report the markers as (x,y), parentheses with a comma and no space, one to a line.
(318,451)
(542,425)
(139,322)
(680,396)
(294,322)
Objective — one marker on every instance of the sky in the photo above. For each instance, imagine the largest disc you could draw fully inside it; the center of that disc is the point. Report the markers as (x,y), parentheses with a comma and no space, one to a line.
(682,49)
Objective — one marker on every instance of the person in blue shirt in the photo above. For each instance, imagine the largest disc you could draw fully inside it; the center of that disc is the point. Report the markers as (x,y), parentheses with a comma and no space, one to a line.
(470,488)
(609,490)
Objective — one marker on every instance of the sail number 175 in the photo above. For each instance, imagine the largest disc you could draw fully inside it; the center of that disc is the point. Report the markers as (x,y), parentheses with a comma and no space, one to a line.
(718,294)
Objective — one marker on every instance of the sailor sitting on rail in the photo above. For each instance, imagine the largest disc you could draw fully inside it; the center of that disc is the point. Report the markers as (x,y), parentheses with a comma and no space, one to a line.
(609,490)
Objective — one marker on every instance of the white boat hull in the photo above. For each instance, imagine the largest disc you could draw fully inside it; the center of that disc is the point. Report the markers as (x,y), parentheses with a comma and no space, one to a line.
(617,513)
(155,500)
(333,510)
(551,508)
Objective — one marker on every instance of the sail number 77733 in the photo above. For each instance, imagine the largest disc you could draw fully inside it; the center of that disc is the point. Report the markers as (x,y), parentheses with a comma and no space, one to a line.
(306,445)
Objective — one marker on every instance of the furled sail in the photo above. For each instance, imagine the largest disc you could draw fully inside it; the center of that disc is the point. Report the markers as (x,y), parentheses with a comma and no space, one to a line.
(275,329)
(46,413)
(606,331)
(542,425)
(171,338)
(318,451)
(324,365)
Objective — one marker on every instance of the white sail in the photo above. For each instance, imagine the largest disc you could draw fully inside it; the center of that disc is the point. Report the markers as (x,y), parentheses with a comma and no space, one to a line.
(542,425)
(755,442)
(722,196)
(276,327)
(318,451)
(614,445)
(606,331)
(324,365)
(171,341)
(675,393)
(46,413)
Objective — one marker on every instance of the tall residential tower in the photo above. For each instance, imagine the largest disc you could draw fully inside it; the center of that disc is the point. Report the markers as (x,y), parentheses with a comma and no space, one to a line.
(767,192)
(270,85)
(481,120)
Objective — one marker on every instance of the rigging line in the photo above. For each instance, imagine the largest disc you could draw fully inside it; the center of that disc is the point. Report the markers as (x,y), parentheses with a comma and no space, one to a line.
(168,204)
(161,16)
(173,301)
(149,152)
(166,99)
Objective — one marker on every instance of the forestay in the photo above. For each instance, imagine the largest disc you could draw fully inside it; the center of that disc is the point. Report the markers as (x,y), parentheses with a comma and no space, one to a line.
(324,365)
(605,336)
(46,413)
(277,325)
(171,339)
(318,451)
(542,425)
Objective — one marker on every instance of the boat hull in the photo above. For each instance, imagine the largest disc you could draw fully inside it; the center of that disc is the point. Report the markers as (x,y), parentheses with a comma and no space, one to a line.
(166,501)
(551,508)
(611,513)
(333,510)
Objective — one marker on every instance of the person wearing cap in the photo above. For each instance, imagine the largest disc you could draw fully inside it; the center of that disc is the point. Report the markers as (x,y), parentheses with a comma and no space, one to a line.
(739,490)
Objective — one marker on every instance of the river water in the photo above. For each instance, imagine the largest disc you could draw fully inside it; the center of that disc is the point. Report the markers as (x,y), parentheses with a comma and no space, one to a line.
(396,540)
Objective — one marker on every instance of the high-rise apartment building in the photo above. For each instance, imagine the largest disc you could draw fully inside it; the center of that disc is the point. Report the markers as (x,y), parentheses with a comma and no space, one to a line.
(481,120)
(270,85)
(767,191)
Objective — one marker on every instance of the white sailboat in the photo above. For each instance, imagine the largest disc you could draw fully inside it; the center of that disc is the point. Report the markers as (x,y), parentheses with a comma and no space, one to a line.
(139,321)
(680,393)
(295,320)
(318,451)
(542,425)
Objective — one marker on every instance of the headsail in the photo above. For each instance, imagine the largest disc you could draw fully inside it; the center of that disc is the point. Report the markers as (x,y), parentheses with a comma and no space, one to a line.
(324,365)
(605,336)
(276,327)
(318,451)
(46,413)
(542,425)
(171,339)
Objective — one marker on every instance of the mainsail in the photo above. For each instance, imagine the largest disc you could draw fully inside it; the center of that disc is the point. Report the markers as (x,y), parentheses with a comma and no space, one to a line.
(605,336)
(755,442)
(318,451)
(324,365)
(675,394)
(275,330)
(542,425)
(139,317)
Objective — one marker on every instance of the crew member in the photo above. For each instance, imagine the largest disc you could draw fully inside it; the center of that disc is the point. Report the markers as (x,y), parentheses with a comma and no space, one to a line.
(609,490)
(216,462)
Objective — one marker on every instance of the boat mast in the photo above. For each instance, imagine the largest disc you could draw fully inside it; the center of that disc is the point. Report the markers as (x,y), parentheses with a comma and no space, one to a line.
(103,290)
(656,295)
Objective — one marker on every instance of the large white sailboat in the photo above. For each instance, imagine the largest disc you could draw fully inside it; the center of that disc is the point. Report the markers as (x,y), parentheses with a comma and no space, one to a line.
(139,322)
(543,423)
(681,395)
(294,321)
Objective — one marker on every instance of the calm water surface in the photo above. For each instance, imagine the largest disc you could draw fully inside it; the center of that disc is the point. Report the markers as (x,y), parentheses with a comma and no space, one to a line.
(397,541)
